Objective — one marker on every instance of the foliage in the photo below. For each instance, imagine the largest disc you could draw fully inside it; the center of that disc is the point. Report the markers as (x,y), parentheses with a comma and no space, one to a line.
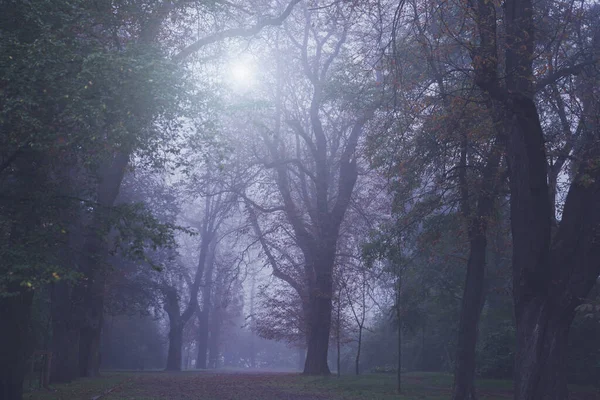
(69,100)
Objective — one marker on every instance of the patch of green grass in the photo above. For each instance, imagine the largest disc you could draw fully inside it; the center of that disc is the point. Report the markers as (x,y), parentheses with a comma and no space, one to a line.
(80,389)
(228,385)
(415,386)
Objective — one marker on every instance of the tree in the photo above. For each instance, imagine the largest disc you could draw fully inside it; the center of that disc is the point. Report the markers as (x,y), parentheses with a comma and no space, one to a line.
(441,159)
(554,267)
(215,211)
(315,172)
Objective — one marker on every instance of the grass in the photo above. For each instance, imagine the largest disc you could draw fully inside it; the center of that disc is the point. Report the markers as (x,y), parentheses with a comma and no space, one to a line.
(415,386)
(229,385)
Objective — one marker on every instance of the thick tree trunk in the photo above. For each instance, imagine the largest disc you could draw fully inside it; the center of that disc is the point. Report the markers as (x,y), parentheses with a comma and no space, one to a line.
(542,338)
(471,304)
(319,326)
(15,312)
(202,339)
(65,335)
(550,276)
(175,345)
(176,325)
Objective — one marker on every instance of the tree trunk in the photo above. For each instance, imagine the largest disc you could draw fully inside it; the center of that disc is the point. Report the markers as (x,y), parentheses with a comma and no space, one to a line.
(202,339)
(203,316)
(214,338)
(550,277)
(175,346)
(319,326)
(15,312)
(542,338)
(176,325)
(399,372)
(252,321)
(357,360)
(470,312)
(399,318)
(65,335)
(474,293)
(94,265)
(338,330)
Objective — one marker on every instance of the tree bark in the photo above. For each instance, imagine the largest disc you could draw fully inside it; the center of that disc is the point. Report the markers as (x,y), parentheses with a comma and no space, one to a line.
(15,312)
(175,329)
(202,339)
(175,345)
(319,324)
(472,301)
(550,277)
(338,330)
(542,339)
(357,360)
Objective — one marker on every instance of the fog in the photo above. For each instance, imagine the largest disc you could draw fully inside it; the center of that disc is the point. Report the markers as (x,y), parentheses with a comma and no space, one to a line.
(299,199)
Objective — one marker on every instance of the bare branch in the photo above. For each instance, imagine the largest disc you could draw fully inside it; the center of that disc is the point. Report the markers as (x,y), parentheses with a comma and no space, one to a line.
(236,32)
(564,72)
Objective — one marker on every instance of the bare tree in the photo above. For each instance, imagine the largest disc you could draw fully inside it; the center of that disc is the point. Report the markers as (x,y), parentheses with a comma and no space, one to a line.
(315,171)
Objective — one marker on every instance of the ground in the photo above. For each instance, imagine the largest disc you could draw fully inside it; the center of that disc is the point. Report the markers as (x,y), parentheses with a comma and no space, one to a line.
(228,385)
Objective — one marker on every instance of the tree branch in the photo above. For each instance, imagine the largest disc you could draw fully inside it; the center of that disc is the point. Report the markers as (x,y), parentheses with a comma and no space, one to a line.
(277,272)
(236,32)
(562,73)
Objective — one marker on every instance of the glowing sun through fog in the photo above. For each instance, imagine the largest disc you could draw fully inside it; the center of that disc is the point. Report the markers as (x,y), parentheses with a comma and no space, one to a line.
(242,74)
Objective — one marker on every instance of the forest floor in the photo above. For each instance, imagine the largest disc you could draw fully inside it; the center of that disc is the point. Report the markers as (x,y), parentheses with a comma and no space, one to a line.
(227,385)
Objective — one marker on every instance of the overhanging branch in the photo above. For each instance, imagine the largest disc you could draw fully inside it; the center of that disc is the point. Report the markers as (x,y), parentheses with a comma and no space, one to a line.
(236,32)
